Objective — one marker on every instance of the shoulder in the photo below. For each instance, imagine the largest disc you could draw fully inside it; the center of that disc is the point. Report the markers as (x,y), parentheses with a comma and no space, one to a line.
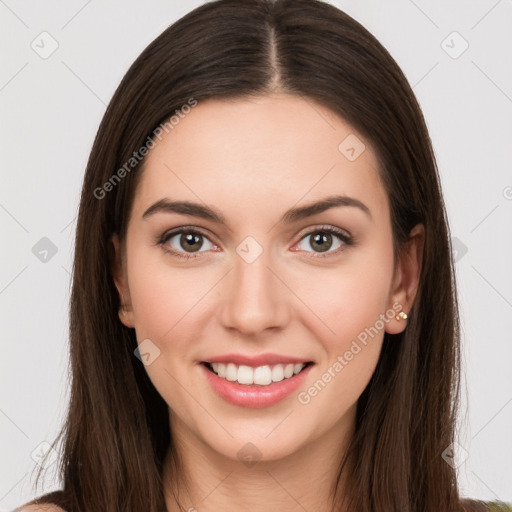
(43,507)
(54,501)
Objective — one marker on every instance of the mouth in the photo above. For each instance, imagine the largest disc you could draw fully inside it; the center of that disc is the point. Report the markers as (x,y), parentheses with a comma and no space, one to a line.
(263,376)
(255,387)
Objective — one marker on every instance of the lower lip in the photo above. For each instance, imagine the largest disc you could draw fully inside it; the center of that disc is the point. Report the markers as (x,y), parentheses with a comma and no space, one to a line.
(255,397)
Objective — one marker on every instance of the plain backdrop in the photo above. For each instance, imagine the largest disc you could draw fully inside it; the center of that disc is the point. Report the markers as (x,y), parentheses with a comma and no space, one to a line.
(456,56)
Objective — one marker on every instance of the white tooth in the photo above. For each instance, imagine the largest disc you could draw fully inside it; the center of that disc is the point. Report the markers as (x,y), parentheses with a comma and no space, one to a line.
(245,375)
(297,368)
(277,373)
(288,371)
(221,370)
(215,366)
(262,375)
(231,372)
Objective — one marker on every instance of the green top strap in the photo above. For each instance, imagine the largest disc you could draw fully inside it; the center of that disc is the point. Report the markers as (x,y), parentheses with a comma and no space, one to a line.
(499,506)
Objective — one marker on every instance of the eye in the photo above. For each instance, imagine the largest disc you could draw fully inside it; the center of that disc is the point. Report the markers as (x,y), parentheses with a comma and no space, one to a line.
(326,240)
(185,242)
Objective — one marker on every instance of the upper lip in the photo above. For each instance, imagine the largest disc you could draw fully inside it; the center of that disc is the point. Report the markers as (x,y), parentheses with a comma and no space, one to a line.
(255,361)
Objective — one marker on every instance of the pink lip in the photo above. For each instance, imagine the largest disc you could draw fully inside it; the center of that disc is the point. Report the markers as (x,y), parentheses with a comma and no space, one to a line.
(254,396)
(255,361)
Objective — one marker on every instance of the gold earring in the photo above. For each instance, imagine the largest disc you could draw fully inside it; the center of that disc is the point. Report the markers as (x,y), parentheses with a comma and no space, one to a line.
(402,316)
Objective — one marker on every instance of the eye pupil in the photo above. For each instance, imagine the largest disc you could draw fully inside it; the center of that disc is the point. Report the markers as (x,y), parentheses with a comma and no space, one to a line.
(190,241)
(322,239)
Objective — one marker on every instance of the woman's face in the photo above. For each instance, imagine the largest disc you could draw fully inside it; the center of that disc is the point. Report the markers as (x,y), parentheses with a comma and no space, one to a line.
(258,280)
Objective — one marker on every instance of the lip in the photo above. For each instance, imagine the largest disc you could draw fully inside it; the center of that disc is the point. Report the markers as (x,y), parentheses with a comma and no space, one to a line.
(253,396)
(255,361)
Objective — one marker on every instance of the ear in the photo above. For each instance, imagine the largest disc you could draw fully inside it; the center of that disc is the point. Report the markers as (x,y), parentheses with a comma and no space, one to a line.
(118,269)
(406,279)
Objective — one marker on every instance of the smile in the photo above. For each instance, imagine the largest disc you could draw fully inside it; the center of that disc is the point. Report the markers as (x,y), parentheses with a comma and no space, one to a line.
(254,387)
(260,376)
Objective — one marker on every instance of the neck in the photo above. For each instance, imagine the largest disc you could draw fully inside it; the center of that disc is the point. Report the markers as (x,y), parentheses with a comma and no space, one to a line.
(209,481)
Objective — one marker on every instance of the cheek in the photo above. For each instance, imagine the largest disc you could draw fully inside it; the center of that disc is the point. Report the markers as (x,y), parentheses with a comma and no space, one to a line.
(164,300)
(166,304)
(349,299)
(352,303)
(353,311)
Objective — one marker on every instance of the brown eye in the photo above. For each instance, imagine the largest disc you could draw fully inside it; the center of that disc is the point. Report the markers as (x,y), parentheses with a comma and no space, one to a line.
(321,241)
(324,240)
(186,242)
(191,242)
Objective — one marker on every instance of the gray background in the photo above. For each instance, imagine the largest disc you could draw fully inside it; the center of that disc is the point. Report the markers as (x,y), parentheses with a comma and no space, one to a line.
(51,108)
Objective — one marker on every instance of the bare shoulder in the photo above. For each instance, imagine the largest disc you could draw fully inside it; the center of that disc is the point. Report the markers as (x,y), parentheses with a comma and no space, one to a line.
(54,501)
(43,507)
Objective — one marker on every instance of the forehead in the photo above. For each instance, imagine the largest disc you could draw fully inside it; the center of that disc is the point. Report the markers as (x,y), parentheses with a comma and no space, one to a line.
(247,152)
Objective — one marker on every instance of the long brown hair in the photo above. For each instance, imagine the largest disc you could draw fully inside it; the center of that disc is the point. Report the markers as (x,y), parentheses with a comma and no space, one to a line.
(116,434)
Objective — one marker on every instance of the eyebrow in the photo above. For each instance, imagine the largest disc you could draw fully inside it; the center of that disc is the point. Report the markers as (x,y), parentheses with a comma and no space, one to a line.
(293,215)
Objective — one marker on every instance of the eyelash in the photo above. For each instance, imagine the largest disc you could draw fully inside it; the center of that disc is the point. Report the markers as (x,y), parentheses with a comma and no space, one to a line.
(345,238)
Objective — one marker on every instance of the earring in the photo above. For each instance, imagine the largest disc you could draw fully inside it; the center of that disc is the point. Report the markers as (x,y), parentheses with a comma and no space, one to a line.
(402,316)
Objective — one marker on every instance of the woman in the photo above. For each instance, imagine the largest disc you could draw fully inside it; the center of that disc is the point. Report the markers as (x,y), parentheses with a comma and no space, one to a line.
(263,313)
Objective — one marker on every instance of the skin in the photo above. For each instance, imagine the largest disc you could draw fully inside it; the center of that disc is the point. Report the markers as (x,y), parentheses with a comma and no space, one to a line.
(251,160)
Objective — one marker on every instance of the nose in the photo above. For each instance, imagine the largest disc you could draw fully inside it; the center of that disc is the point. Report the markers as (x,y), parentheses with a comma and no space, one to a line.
(255,299)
